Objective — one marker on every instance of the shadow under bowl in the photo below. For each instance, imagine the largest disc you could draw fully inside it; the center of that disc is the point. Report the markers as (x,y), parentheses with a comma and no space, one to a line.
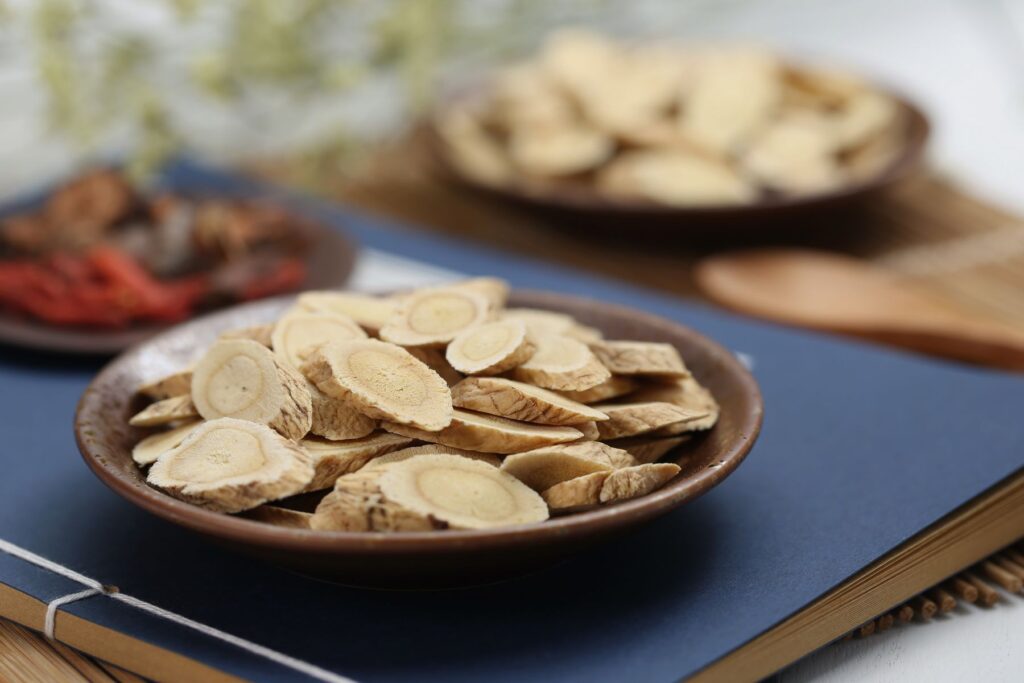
(420,559)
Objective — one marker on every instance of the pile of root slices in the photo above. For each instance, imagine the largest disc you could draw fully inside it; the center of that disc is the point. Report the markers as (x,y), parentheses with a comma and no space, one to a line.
(433,409)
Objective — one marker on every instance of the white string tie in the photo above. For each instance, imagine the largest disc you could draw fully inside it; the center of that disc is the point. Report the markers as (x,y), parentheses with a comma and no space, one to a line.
(97,588)
(51,608)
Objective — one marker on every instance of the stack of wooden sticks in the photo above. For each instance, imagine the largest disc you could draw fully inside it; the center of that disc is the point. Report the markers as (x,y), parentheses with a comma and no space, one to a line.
(1004,569)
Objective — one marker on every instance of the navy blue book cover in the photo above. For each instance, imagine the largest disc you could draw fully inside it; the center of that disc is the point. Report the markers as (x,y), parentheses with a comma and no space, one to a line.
(862,448)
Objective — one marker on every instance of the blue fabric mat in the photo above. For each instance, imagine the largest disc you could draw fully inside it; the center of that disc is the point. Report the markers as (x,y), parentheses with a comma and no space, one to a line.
(862,447)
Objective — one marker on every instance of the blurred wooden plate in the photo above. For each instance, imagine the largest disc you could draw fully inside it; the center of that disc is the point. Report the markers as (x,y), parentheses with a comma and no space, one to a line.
(580,207)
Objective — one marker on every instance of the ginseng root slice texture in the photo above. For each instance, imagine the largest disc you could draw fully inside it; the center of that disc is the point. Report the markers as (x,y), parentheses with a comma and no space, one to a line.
(243,379)
(383,381)
(229,465)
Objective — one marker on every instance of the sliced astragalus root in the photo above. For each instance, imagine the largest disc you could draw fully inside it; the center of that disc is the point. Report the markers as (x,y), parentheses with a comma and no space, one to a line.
(633,482)
(520,401)
(370,312)
(640,358)
(577,494)
(434,449)
(152,447)
(383,381)
(674,178)
(540,322)
(613,387)
(243,379)
(687,393)
(647,449)
(165,412)
(489,434)
(542,468)
(589,430)
(495,289)
(229,465)
(490,348)
(357,504)
(435,360)
(174,384)
(279,516)
(261,334)
(336,418)
(559,150)
(299,332)
(633,419)
(432,317)
(332,459)
(461,493)
(584,333)
(563,364)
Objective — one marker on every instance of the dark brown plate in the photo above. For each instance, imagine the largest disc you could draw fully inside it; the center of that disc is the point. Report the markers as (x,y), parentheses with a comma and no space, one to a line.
(329,264)
(580,207)
(420,559)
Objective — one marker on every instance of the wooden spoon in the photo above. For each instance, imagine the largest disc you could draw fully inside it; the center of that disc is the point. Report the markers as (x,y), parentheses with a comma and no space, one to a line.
(835,293)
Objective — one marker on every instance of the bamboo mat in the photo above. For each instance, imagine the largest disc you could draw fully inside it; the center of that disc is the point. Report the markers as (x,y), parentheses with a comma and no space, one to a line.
(967,251)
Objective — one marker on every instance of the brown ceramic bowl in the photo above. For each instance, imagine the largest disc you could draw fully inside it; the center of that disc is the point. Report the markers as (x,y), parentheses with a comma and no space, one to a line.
(329,263)
(420,559)
(579,207)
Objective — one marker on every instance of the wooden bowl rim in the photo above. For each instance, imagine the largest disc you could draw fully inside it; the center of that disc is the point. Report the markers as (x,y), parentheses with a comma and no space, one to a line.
(587,200)
(251,532)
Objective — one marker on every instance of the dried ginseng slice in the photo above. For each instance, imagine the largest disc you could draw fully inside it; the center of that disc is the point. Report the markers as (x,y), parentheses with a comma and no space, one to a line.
(735,93)
(491,348)
(152,447)
(648,449)
(577,494)
(520,401)
(299,332)
(435,360)
(489,434)
(471,149)
(357,504)
(229,465)
(370,312)
(633,482)
(640,358)
(434,449)
(243,379)
(589,430)
(165,412)
(675,178)
(337,418)
(687,393)
(432,317)
(542,468)
(383,381)
(332,459)
(260,334)
(559,150)
(790,156)
(494,289)
(175,384)
(613,387)
(461,493)
(540,322)
(633,419)
(563,364)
